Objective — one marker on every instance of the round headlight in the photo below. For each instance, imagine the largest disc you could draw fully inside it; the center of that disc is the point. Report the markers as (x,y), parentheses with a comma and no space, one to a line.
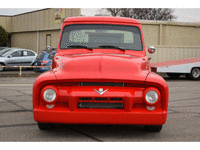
(151,97)
(49,95)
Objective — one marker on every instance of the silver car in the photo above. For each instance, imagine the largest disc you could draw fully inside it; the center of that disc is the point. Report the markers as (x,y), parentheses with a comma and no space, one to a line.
(16,57)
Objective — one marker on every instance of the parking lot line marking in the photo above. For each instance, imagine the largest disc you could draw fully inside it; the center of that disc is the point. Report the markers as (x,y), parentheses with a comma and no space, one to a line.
(16,84)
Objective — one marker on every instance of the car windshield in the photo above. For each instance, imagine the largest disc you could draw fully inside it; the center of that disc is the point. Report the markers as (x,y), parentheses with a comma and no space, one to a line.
(4,52)
(101,36)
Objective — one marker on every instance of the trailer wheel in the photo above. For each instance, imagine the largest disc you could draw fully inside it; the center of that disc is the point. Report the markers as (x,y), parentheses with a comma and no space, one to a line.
(1,68)
(46,126)
(153,128)
(173,75)
(195,74)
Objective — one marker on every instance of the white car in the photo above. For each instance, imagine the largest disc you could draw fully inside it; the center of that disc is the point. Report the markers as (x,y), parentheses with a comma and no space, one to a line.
(16,57)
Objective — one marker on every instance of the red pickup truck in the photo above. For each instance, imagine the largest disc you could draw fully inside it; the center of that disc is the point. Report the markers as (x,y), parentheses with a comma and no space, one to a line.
(101,75)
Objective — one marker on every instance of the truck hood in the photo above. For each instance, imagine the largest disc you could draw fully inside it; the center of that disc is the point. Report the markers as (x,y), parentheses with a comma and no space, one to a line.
(105,67)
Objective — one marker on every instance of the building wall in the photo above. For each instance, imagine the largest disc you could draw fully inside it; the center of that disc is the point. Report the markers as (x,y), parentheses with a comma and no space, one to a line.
(45,35)
(151,34)
(40,20)
(173,41)
(26,40)
(171,33)
(5,22)
(181,35)
(167,53)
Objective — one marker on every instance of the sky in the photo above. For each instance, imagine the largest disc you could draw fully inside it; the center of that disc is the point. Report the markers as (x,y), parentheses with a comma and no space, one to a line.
(184,11)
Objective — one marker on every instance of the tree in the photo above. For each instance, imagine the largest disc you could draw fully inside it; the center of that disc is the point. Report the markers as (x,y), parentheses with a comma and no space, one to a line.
(3,37)
(163,14)
(113,11)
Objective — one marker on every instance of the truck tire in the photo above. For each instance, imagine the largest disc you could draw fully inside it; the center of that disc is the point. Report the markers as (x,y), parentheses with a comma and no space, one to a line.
(173,75)
(153,128)
(46,126)
(194,74)
(1,68)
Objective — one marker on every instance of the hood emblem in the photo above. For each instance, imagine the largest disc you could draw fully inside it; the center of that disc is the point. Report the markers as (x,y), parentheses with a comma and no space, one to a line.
(101,91)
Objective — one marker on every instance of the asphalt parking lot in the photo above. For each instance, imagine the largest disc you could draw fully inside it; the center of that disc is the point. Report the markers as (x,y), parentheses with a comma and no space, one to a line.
(17,123)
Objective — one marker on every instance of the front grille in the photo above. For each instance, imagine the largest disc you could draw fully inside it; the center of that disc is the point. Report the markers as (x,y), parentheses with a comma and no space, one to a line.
(101,84)
(85,98)
(100,102)
(101,105)
(116,99)
(100,99)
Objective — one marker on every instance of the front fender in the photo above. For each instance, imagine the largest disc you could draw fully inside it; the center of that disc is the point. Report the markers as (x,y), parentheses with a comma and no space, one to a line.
(44,79)
(157,81)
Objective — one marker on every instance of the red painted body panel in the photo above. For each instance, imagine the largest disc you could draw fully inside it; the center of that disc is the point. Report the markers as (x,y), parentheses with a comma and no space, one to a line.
(123,76)
(136,117)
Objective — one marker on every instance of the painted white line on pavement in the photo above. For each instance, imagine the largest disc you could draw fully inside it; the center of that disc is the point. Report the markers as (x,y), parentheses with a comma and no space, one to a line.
(16,84)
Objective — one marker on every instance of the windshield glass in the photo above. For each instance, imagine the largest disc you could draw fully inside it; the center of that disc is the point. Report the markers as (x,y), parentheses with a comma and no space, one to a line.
(96,36)
(3,53)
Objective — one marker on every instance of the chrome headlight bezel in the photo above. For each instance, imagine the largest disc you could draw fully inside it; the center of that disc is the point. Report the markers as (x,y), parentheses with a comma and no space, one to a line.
(49,94)
(151,96)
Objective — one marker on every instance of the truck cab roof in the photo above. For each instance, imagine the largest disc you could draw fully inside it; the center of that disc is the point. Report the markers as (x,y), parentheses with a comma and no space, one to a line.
(104,19)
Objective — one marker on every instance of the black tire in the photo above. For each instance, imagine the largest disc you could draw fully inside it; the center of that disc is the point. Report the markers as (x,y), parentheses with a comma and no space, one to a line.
(194,74)
(1,68)
(46,126)
(173,75)
(153,128)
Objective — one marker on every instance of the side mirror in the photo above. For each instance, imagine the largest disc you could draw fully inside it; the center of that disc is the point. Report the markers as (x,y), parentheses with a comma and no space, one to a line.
(151,50)
(9,56)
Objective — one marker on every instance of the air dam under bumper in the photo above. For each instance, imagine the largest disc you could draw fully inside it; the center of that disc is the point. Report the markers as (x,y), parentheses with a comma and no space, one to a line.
(140,116)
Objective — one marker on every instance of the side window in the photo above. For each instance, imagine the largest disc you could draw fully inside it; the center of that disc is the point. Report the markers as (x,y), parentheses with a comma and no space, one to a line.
(25,53)
(28,53)
(17,54)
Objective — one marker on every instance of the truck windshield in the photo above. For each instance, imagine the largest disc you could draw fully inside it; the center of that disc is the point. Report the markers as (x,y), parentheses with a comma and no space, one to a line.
(98,35)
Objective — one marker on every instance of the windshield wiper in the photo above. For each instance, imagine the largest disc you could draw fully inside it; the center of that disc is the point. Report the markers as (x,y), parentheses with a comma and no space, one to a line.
(79,46)
(111,46)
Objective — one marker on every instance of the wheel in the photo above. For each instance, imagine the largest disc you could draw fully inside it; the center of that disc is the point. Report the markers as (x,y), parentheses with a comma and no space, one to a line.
(173,75)
(46,126)
(194,74)
(153,128)
(1,68)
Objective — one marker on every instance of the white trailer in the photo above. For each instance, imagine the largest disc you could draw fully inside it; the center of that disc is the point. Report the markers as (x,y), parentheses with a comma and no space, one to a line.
(175,68)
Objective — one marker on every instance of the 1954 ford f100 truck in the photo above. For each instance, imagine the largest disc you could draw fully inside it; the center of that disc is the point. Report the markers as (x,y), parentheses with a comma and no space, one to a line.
(101,75)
